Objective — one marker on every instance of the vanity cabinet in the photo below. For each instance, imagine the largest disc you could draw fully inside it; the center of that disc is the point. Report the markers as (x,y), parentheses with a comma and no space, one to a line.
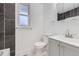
(68,50)
(53,46)
(57,48)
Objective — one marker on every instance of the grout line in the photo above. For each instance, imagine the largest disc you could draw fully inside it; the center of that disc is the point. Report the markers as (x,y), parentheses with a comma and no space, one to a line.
(4,25)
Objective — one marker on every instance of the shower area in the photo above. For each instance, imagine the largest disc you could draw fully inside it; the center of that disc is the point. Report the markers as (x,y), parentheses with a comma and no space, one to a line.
(7,29)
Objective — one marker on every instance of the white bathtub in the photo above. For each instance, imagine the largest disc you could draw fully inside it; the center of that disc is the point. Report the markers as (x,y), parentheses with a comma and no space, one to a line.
(5,52)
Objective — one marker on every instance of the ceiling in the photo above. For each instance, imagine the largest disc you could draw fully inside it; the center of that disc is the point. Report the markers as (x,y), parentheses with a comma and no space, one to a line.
(63,7)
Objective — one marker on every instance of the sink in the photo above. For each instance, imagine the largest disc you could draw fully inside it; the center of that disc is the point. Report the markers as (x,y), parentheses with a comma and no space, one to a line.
(73,41)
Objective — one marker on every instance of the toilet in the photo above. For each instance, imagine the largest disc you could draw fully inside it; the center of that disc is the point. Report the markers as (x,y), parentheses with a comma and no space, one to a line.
(40,48)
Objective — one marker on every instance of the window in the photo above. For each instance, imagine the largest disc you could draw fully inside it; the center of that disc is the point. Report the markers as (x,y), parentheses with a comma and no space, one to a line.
(23,15)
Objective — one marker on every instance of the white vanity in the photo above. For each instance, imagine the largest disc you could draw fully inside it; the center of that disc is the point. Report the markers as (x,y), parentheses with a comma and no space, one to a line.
(62,46)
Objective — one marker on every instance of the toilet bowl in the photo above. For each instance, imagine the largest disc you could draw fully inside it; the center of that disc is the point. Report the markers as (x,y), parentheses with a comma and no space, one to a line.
(40,48)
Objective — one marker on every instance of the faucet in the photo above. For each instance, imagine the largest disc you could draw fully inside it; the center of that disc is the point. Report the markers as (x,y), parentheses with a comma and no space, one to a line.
(68,34)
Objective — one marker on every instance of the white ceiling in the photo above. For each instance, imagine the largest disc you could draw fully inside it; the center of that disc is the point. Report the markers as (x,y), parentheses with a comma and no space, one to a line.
(63,7)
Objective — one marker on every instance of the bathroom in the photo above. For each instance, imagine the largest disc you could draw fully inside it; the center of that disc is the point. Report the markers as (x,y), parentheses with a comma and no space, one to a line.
(51,28)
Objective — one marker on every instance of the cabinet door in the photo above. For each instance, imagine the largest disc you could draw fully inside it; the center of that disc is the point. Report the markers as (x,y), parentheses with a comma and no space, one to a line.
(53,47)
(69,50)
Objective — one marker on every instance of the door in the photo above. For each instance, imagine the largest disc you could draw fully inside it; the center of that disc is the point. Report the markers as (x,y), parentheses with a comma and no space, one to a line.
(53,47)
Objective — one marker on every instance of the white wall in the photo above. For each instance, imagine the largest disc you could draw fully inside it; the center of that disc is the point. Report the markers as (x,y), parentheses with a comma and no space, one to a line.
(69,23)
(51,26)
(25,38)
(42,18)
(50,17)
(64,7)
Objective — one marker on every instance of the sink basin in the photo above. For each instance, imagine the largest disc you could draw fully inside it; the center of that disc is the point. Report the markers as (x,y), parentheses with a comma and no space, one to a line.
(73,41)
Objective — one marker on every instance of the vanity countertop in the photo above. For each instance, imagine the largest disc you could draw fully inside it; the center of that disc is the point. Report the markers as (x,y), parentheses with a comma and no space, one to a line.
(71,41)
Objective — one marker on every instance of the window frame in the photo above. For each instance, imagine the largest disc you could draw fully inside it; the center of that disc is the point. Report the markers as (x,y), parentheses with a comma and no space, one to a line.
(18,16)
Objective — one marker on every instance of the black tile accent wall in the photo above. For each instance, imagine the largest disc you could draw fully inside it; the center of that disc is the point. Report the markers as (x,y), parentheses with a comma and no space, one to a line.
(1,40)
(10,27)
(67,14)
(78,11)
(1,26)
(9,30)
(12,53)
(71,13)
(10,42)
(1,23)
(75,12)
(10,10)
(1,8)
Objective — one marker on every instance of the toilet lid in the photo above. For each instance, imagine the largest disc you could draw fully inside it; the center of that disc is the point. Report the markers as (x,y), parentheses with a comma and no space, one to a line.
(40,44)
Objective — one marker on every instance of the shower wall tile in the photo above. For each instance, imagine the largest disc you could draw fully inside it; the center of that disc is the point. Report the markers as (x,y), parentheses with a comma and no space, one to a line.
(1,23)
(10,10)
(1,44)
(78,11)
(10,42)
(1,40)
(1,8)
(9,27)
(12,53)
(9,39)
(1,26)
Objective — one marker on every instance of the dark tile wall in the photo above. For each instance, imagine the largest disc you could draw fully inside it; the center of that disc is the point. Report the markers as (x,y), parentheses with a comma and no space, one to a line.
(10,43)
(1,26)
(1,8)
(1,40)
(12,53)
(10,27)
(7,34)
(10,10)
(71,13)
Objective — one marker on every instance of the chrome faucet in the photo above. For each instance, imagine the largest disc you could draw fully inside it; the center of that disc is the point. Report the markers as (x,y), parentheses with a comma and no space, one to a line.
(68,35)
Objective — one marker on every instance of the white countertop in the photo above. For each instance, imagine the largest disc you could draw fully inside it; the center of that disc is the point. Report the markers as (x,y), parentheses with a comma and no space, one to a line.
(71,41)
